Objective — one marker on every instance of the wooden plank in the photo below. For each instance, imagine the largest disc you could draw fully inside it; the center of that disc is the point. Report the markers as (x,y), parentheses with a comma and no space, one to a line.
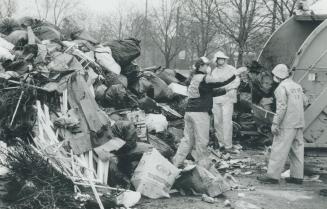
(30,35)
(100,170)
(106,172)
(64,102)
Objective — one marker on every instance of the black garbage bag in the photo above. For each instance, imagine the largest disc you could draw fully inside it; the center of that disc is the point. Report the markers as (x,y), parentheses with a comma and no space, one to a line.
(47,32)
(83,35)
(20,66)
(148,105)
(131,71)
(164,149)
(168,75)
(125,51)
(8,25)
(115,96)
(126,131)
(161,91)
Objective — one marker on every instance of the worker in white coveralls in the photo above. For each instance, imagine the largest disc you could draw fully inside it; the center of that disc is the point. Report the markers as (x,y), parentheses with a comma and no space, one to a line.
(287,128)
(197,119)
(223,106)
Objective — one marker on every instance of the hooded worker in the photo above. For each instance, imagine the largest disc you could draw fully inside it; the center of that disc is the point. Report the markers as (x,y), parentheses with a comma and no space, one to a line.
(287,128)
(223,106)
(197,119)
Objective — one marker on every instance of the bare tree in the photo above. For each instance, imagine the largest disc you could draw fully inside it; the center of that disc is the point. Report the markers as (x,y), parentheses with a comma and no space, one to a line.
(280,9)
(165,33)
(201,31)
(7,8)
(242,21)
(55,10)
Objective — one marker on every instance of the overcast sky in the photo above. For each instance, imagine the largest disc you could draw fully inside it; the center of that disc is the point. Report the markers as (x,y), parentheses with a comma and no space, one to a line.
(27,7)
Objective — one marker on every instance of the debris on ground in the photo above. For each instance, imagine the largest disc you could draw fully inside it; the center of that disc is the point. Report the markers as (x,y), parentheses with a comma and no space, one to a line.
(203,181)
(227,203)
(154,176)
(241,204)
(208,199)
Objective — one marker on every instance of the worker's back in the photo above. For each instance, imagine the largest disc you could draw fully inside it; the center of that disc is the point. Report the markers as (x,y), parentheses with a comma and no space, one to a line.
(294,116)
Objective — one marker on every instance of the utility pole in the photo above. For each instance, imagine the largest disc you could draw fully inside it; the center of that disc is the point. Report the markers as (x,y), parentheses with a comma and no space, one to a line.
(145,33)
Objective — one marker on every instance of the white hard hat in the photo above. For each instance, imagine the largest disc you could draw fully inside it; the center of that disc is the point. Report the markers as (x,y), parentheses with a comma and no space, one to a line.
(280,71)
(241,70)
(219,54)
(205,60)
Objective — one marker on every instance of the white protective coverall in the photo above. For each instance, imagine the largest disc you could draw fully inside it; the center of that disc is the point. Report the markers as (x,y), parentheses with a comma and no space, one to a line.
(290,102)
(223,106)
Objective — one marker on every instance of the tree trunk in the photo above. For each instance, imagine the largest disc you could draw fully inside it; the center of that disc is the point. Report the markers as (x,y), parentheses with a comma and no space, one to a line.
(240,56)
(274,17)
(167,61)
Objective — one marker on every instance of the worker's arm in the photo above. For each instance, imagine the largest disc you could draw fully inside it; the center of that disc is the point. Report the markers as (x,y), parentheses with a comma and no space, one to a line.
(233,85)
(216,88)
(218,84)
(281,105)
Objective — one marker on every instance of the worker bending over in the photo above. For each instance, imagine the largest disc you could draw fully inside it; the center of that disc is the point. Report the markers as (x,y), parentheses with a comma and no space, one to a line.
(287,128)
(197,120)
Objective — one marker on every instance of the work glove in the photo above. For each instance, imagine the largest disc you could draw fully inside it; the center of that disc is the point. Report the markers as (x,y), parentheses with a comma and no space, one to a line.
(275,129)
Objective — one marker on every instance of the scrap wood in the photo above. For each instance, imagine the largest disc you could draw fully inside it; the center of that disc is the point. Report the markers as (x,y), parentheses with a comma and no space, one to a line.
(102,187)
(14,115)
(28,85)
(73,166)
(166,108)
(30,35)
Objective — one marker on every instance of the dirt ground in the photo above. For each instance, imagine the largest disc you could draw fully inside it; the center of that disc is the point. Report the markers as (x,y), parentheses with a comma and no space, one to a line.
(282,196)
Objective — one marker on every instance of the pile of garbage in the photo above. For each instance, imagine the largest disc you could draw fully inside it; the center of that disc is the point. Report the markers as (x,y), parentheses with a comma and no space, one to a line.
(92,116)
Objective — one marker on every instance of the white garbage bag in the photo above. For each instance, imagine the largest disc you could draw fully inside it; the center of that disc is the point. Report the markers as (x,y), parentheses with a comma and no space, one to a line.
(154,176)
(6,44)
(178,89)
(128,198)
(104,58)
(156,122)
(5,54)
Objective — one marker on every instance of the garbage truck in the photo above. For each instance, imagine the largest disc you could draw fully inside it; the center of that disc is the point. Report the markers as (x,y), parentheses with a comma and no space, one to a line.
(301,43)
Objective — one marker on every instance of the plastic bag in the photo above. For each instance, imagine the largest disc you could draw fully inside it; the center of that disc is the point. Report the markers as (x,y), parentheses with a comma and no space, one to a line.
(8,25)
(154,175)
(5,55)
(156,122)
(5,44)
(131,72)
(104,58)
(128,198)
(178,89)
(46,32)
(161,90)
(203,181)
(83,35)
(168,76)
(125,51)
(18,37)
